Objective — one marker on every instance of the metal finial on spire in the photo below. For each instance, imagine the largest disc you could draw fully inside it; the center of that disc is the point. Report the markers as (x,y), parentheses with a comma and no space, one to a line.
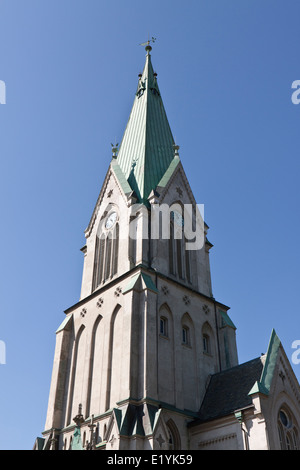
(114,148)
(147,44)
(79,419)
(176,148)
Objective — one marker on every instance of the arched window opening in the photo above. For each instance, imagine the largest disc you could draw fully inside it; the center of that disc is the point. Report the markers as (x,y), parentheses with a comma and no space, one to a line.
(106,251)
(187,262)
(173,436)
(287,430)
(171,250)
(108,257)
(171,441)
(115,258)
(179,256)
(206,344)
(185,335)
(163,326)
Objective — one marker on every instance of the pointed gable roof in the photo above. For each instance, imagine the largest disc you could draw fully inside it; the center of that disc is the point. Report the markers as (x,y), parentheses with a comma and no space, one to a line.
(146,150)
(263,385)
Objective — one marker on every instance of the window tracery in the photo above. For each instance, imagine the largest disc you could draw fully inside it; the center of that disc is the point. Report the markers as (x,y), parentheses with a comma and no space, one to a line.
(106,251)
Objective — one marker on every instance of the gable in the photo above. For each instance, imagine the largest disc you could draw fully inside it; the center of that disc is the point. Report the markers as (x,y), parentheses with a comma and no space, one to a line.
(174,186)
(114,190)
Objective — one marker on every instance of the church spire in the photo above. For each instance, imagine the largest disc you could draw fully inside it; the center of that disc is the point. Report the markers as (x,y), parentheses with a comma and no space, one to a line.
(146,150)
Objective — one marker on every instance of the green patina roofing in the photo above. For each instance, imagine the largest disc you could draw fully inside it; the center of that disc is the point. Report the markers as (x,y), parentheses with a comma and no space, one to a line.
(263,385)
(173,165)
(146,150)
(144,280)
(77,442)
(121,177)
(63,325)
(226,320)
(136,419)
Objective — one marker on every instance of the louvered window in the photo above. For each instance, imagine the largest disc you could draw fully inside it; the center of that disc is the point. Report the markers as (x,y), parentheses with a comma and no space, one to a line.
(106,256)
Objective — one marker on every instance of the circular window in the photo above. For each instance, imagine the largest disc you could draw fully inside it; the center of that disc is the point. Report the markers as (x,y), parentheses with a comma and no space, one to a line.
(287,431)
(284,418)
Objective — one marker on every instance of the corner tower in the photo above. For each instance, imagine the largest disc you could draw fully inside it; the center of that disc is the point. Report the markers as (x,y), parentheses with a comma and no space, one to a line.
(133,355)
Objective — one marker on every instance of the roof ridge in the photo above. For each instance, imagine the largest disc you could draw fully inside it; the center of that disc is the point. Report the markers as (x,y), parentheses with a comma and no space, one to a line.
(236,367)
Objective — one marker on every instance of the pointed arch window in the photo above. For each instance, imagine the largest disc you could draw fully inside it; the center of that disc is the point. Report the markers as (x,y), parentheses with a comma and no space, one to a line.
(179,256)
(185,335)
(173,436)
(206,344)
(287,430)
(163,326)
(106,251)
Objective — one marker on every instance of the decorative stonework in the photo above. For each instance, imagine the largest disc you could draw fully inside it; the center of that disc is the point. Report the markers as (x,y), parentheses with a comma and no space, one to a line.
(165,290)
(179,191)
(186,300)
(118,291)
(282,376)
(160,440)
(83,312)
(216,440)
(100,302)
(206,309)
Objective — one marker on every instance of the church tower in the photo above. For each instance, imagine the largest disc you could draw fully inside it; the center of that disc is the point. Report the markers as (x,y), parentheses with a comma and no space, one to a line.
(133,356)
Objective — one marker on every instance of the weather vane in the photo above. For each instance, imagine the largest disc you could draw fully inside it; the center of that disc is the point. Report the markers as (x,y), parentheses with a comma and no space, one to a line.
(148,42)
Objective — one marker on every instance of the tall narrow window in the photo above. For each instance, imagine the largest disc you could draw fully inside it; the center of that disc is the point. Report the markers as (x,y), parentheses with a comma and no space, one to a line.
(96,263)
(185,335)
(163,326)
(101,260)
(171,249)
(107,257)
(106,251)
(187,263)
(115,250)
(179,257)
(206,346)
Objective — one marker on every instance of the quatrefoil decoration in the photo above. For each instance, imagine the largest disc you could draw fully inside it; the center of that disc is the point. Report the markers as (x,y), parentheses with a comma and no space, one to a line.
(206,309)
(186,299)
(100,302)
(165,290)
(83,312)
(118,291)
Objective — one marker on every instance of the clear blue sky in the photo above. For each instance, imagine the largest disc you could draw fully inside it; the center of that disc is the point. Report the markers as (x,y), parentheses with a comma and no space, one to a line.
(225,69)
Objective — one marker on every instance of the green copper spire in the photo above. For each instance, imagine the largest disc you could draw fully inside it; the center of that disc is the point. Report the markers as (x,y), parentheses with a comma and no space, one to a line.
(146,150)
